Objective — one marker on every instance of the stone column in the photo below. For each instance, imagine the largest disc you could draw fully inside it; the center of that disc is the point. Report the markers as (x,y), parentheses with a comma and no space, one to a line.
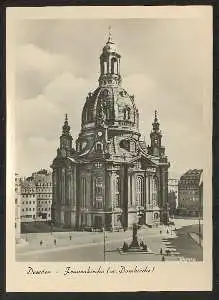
(129,190)
(145,197)
(133,190)
(164,194)
(108,197)
(118,66)
(148,190)
(109,65)
(113,178)
(63,186)
(151,189)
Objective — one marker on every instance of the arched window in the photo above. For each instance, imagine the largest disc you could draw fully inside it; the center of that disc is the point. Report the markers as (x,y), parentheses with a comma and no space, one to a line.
(99,147)
(107,113)
(156,216)
(127,113)
(83,200)
(117,191)
(105,67)
(124,114)
(140,191)
(114,66)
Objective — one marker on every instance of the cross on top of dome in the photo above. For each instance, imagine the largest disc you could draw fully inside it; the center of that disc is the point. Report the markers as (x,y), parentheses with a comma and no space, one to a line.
(110,45)
(110,36)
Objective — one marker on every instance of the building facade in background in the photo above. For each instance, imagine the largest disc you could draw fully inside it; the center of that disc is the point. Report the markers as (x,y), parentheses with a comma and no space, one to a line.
(173,188)
(172,196)
(28,200)
(43,183)
(17,207)
(190,193)
(111,173)
(36,197)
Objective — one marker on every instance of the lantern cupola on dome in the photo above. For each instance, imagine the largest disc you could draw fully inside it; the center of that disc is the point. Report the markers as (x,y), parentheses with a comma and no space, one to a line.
(110,64)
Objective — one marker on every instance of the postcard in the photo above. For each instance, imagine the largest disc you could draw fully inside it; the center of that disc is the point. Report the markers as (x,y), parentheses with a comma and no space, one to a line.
(109,156)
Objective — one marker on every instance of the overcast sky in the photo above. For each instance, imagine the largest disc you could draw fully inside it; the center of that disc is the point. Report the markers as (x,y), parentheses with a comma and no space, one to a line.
(164,64)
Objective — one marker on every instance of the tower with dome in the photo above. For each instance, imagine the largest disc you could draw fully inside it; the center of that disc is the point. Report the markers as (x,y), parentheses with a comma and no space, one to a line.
(110,174)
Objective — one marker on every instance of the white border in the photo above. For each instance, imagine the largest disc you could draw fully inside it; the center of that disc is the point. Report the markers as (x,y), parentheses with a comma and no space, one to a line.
(171,276)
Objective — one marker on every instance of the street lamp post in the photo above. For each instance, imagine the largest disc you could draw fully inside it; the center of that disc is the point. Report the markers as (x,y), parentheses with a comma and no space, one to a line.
(104,245)
(199,229)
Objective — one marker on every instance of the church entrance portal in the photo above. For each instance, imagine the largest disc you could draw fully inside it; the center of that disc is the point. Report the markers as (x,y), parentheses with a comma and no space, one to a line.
(98,224)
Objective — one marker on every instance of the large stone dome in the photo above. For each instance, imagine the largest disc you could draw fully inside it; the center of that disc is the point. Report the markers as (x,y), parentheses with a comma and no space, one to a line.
(110,105)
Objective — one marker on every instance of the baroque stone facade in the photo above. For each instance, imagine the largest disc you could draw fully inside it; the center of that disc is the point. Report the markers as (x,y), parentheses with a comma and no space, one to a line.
(111,174)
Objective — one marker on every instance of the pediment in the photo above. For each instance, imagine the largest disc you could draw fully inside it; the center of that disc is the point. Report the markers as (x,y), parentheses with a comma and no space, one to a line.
(144,163)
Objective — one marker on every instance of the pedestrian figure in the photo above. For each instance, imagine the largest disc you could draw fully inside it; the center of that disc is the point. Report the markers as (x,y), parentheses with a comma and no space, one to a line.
(160,231)
(167,231)
(55,242)
(41,242)
(70,237)
(163,258)
(167,252)
(161,251)
(145,247)
(125,247)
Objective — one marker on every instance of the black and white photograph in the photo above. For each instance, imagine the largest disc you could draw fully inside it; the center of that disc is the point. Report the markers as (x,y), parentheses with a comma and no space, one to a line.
(111,144)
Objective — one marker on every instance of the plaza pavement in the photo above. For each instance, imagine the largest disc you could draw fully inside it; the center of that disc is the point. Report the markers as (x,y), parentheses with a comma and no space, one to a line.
(88,246)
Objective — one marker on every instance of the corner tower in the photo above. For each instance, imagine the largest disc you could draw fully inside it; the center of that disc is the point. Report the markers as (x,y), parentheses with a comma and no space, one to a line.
(156,148)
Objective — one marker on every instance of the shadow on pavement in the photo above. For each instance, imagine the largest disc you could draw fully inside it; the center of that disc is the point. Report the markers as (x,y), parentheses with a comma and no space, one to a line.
(183,243)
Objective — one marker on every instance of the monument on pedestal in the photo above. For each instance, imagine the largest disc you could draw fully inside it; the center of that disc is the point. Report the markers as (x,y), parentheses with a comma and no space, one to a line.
(135,246)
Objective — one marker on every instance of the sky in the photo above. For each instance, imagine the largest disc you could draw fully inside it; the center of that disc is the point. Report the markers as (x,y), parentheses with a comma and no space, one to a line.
(164,63)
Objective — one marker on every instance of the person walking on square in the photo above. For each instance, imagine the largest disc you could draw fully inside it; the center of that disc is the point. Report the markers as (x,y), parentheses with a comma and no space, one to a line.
(41,242)
(161,251)
(163,258)
(55,242)
(70,237)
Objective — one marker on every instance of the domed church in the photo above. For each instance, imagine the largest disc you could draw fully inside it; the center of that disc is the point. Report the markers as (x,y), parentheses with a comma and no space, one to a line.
(111,178)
